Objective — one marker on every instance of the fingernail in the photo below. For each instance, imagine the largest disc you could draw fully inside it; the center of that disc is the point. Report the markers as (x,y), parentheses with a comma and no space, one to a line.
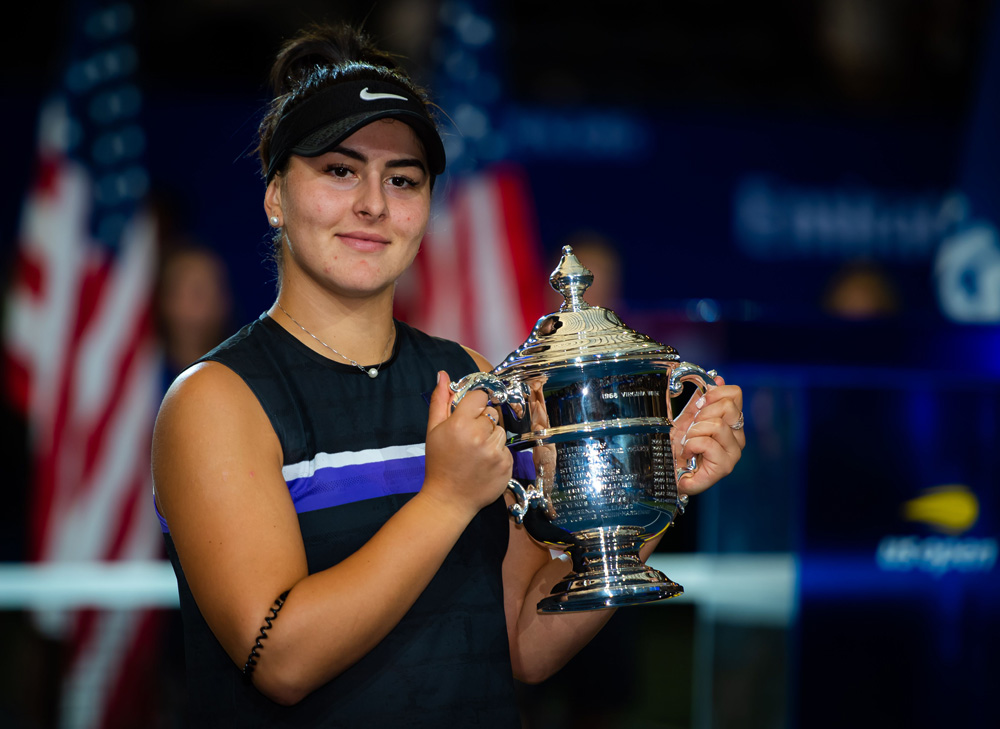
(701,402)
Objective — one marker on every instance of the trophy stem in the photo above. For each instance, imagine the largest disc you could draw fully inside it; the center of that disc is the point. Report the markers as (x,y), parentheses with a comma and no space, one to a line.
(609,573)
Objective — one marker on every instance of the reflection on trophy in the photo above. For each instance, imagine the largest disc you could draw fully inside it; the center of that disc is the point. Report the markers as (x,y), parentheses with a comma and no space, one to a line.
(593,402)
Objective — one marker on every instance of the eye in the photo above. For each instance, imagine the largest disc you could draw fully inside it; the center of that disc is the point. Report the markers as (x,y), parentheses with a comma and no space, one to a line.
(402,181)
(341,171)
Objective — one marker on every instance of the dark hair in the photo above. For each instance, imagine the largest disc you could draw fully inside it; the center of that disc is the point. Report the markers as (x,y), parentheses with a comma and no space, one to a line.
(318,57)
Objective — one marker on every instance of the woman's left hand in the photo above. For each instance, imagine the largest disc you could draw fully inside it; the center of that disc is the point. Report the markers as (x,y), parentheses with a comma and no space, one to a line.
(711,428)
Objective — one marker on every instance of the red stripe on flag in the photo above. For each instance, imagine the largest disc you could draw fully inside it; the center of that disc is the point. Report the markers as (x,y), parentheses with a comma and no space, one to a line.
(18,383)
(129,704)
(93,286)
(129,517)
(524,246)
(29,274)
(47,175)
(136,338)
(43,502)
(82,631)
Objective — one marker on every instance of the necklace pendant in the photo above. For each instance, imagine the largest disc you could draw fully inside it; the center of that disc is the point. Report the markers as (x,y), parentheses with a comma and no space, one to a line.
(372,372)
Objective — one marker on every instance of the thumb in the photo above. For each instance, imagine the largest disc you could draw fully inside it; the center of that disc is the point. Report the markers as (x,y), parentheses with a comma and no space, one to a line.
(440,402)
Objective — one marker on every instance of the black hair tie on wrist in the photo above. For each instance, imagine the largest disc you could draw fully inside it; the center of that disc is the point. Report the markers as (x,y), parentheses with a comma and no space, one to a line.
(254,655)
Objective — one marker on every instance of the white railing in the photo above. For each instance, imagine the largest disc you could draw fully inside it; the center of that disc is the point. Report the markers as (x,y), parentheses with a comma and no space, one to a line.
(749,588)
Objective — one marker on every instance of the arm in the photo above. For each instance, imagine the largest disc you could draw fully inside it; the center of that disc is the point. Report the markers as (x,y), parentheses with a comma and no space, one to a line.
(217,475)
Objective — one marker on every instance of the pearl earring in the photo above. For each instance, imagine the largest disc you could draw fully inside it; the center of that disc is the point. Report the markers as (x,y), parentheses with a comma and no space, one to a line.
(274,221)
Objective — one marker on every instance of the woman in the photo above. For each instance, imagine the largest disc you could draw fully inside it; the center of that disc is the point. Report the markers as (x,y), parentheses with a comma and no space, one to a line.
(340,538)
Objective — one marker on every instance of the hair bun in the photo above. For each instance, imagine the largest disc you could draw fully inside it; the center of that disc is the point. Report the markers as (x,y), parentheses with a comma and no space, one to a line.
(325,46)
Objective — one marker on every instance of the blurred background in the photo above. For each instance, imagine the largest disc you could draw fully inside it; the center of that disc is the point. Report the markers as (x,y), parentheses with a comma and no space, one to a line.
(804,195)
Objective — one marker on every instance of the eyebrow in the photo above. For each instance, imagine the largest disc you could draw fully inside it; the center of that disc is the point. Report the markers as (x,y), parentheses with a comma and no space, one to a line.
(393,164)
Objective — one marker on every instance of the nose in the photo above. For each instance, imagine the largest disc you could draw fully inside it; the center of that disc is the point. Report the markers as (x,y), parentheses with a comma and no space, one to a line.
(370,201)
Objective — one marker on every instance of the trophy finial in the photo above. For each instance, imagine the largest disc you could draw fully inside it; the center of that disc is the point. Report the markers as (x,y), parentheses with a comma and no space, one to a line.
(571,278)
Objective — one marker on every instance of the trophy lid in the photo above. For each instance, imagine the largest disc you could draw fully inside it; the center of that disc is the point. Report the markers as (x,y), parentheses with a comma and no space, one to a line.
(579,334)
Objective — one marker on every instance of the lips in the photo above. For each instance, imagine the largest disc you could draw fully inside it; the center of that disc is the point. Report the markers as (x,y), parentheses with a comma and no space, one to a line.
(362,241)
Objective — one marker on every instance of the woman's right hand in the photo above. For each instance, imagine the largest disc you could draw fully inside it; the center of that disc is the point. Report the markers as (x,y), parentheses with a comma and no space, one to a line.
(467,462)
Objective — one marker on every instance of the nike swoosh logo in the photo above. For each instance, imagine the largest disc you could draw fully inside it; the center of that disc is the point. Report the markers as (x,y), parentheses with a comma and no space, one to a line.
(367,95)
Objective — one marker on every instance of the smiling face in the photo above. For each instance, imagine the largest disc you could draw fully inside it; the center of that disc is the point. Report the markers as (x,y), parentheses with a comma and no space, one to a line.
(353,218)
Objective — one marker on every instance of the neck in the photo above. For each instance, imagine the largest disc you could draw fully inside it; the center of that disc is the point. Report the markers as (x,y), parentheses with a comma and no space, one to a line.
(364,332)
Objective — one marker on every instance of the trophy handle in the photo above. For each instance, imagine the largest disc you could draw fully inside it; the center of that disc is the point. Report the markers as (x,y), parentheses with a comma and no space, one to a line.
(512,398)
(701,379)
(524,499)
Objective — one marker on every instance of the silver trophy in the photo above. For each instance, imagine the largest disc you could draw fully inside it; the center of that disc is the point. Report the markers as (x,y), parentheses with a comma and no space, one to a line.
(595,404)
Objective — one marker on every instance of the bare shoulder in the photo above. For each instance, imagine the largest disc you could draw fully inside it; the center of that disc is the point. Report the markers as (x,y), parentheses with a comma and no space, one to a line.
(481,362)
(205,385)
(209,420)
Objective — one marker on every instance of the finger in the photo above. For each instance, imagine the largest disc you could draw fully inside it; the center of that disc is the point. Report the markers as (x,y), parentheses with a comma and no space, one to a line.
(714,462)
(725,410)
(740,437)
(719,393)
(498,438)
(440,407)
(724,402)
(472,405)
(703,435)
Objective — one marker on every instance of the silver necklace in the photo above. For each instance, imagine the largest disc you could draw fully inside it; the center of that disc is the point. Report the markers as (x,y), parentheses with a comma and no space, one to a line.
(371,371)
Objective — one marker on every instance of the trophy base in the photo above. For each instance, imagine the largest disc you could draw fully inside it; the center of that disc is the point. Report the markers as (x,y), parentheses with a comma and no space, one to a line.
(578,594)
(611,575)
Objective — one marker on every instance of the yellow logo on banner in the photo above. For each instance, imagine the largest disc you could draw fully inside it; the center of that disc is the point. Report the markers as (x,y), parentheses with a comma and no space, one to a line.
(951,509)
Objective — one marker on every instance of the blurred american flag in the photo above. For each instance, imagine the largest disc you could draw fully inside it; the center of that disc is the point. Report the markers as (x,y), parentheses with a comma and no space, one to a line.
(82,360)
(478,278)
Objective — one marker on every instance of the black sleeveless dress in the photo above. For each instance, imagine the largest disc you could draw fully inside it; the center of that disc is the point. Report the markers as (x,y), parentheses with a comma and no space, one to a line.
(353,455)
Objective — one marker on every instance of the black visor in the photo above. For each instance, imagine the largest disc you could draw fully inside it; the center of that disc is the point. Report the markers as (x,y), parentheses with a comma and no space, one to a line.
(327,118)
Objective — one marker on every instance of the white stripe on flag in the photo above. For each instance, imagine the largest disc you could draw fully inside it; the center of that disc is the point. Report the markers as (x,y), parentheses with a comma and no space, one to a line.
(85,687)
(124,299)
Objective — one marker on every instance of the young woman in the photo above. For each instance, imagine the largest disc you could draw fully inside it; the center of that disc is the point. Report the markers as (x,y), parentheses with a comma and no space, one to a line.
(343,553)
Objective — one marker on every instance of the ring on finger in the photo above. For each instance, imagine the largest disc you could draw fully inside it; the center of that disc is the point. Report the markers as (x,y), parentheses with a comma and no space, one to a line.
(739,423)
(489,415)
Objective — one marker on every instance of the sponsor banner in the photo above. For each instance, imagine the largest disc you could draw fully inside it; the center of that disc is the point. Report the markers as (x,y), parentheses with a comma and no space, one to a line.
(899,584)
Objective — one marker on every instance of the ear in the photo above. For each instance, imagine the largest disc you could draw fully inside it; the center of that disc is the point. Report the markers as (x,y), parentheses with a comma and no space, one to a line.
(272,198)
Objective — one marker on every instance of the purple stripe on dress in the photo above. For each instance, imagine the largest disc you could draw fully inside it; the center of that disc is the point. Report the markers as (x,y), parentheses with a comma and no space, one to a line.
(336,486)
(524,466)
(163,522)
(347,484)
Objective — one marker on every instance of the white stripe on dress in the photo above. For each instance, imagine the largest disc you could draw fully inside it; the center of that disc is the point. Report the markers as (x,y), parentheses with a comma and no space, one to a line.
(304,469)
